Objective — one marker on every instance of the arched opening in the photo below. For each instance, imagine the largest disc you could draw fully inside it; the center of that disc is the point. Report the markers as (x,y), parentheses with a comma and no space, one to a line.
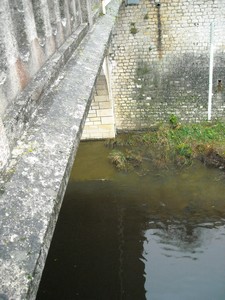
(100,120)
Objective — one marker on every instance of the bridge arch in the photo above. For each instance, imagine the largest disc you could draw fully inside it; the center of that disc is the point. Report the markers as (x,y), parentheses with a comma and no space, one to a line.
(100,121)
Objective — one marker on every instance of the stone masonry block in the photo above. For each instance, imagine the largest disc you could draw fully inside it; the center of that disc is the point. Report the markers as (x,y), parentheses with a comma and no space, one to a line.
(107,120)
(104,112)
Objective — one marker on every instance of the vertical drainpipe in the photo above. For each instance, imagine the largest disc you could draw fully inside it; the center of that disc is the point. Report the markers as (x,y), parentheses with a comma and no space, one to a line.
(159,25)
(103,7)
(211,70)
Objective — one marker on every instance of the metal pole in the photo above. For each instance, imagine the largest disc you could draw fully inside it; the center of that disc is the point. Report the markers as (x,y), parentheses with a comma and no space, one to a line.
(211,71)
(103,7)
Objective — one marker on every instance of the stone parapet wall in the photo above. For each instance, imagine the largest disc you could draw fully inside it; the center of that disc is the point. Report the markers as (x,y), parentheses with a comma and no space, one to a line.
(91,10)
(19,115)
(30,33)
(160,62)
(37,38)
(4,146)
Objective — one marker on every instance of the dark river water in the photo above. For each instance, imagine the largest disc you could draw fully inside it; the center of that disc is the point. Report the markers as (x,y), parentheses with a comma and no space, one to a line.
(126,237)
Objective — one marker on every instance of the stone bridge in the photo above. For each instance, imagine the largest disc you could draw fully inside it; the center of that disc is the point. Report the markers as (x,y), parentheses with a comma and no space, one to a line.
(56,82)
(50,73)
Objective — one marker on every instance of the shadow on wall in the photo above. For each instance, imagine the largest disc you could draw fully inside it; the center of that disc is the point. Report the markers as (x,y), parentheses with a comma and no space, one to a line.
(182,88)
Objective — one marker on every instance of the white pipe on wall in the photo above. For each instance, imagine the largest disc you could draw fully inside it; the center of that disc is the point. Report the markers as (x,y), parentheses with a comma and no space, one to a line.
(104,3)
(211,71)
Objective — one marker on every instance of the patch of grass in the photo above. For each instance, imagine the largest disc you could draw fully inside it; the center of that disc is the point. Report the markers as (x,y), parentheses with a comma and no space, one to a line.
(118,159)
(184,150)
(173,120)
(171,144)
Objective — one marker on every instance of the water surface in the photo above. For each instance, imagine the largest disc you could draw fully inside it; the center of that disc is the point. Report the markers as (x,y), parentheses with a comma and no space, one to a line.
(122,236)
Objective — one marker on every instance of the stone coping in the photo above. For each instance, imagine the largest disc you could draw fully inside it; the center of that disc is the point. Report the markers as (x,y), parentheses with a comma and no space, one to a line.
(30,203)
(19,112)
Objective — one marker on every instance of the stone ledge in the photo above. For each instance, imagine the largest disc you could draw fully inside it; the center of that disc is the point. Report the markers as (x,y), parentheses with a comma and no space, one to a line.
(19,113)
(32,198)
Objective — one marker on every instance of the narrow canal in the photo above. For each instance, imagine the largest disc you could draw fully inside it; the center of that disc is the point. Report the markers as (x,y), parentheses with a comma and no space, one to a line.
(125,237)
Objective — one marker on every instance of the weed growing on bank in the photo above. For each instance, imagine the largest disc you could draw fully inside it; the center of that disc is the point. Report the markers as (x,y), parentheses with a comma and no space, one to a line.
(169,145)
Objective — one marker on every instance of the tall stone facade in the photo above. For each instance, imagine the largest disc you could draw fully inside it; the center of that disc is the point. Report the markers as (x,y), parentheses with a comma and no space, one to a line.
(160,61)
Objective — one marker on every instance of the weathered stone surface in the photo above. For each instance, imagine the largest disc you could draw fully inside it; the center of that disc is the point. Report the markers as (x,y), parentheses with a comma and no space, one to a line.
(19,114)
(100,121)
(32,197)
(91,10)
(160,62)
(30,32)
(4,147)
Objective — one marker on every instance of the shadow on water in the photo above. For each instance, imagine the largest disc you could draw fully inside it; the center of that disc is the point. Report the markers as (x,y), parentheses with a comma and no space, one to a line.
(120,236)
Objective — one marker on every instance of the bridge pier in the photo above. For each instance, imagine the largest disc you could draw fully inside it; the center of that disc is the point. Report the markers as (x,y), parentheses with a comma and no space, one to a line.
(100,122)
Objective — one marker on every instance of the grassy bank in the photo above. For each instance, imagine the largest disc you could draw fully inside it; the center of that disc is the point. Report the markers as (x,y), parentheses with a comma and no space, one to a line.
(170,145)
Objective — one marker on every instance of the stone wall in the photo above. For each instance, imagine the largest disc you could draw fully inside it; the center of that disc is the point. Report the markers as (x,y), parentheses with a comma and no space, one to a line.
(100,123)
(30,33)
(37,38)
(91,10)
(32,193)
(160,61)
(4,147)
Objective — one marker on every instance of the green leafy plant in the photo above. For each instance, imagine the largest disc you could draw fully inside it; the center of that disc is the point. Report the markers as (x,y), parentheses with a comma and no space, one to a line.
(133,28)
(173,119)
(184,150)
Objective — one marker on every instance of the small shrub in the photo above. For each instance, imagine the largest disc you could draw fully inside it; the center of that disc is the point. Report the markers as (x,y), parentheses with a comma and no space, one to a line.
(173,120)
(118,159)
(134,159)
(184,150)
(133,28)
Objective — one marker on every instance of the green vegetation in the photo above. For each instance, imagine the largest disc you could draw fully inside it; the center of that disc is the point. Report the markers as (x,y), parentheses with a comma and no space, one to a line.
(118,159)
(173,120)
(170,145)
(133,28)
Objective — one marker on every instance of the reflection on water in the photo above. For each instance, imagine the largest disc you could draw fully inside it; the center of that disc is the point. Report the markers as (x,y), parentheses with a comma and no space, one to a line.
(127,237)
(186,268)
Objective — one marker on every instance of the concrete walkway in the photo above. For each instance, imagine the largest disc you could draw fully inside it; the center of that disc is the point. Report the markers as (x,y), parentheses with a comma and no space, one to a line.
(31,199)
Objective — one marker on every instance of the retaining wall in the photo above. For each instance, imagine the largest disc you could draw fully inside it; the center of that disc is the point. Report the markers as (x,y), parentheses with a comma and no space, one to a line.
(160,61)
